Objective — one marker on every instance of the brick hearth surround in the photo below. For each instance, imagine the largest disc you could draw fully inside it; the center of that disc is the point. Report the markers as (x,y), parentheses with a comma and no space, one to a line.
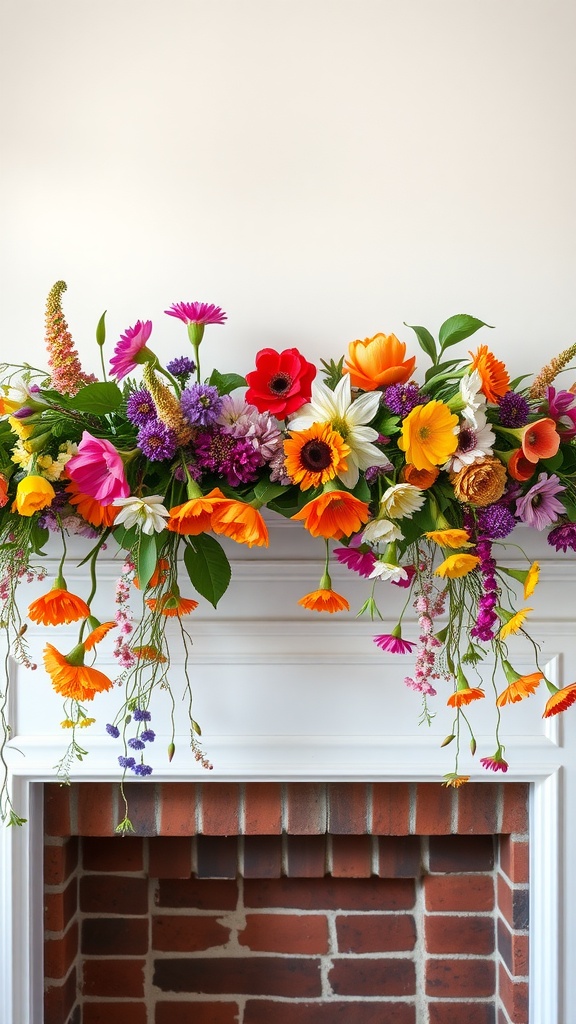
(294,903)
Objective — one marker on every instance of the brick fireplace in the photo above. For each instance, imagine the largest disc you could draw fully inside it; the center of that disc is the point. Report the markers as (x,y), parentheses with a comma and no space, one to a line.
(298,902)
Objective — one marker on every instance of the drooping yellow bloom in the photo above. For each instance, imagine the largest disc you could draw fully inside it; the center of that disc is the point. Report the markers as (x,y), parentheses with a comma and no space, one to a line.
(514,623)
(449,538)
(457,565)
(429,435)
(531,580)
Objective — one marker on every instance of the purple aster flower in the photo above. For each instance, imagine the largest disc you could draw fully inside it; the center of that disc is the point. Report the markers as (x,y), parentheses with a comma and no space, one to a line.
(148,735)
(139,715)
(540,507)
(357,557)
(233,457)
(126,762)
(201,404)
(562,407)
(393,644)
(140,408)
(157,441)
(374,472)
(495,521)
(113,731)
(197,313)
(563,537)
(181,367)
(513,410)
(142,769)
(136,744)
(402,398)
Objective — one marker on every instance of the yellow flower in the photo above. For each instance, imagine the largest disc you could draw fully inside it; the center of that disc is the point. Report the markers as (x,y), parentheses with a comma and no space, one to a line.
(85,722)
(449,538)
(455,781)
(315,455)
(32,494)
(19,427)
(457,565)
(429,435)
(531,580)
(514,624)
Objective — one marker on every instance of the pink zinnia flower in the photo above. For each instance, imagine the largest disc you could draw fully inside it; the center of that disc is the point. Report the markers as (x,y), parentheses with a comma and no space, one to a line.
(356,559)
(131,349)
(197,313)
(495,763)
(98,470)
(393,643)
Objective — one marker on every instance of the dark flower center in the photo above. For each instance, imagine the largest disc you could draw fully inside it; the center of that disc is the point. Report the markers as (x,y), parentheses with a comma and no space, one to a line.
(466,440)
(316,456)
(280,383)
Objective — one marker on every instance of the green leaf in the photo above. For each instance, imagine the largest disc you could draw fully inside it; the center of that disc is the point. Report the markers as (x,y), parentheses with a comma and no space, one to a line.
(97,398)
(101,330)
(266,491)
(553,464)
(226,382)
(433,371)
(125,538)
(146,557)
(425,339)
(459,327)
(208,567)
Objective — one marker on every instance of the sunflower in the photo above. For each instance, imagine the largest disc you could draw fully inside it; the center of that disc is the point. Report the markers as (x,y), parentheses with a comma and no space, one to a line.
(494,375)
(334,515)
(315,455)
(429,435)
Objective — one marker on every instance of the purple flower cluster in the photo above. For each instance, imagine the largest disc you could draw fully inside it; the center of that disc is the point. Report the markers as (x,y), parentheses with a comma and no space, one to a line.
(157,441)
(140,408)
(183,367)
(563,537)
(201,405)
(135,742)
(402,398)
(495,521)
(235,458)
(513,410)
(487,617)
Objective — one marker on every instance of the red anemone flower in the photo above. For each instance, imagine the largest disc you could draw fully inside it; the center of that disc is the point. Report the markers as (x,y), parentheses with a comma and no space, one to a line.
(281,382)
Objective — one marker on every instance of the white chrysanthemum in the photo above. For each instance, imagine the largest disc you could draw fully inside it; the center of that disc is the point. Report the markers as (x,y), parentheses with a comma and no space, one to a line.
(472,397)
(348,418)
(474,442)
(381,531)
(147,513)
(402,501)
(388,571)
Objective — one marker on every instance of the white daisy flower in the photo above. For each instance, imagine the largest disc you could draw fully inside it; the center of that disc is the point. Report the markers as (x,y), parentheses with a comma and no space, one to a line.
(381,531)
(402,501)
(348,418)
(147,513)
(472,397)
(475,441)
(388,571)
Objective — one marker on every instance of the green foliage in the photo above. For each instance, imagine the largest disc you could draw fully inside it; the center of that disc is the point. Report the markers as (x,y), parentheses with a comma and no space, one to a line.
(332,372)
(226,382)
(97,399)
(207,566)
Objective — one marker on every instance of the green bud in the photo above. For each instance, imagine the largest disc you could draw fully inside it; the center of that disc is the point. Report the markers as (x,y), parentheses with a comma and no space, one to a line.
(171,751)
(448,740)
(472,746)
(101,330)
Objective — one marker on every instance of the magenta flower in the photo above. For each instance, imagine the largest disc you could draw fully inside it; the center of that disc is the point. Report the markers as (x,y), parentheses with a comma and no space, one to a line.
(495,763)
(355,558)
(131,349)
(98,470)
(393,644)
(197,313)
(562,408)
(407,581)
(539,507)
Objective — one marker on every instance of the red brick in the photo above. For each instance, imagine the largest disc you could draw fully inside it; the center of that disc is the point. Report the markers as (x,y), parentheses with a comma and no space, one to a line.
(433,809)
(216,856)
(399,856)
(306,808)
(461,853)
(196,1013)
(141,797)
(253,975)
(513,949)
(207,894)
(515,807)
(60,860)
(169,857)
(331,1012)
(478,805)
(114,936)
(390,808)
(459,892)
(59,954)
(513,903)
(60,907)
(306,856)
(347,808)
(174,933)
(285,933)
(331,894)
(177,809)
(474,935)
(220,804)
(97,809)
(514,859)
(375,933)
(372,977)
(262,857)
(262,809)
(113,978)
(59,1000)
(114,1013)
(456,1013)
(514,996)
(113,894)
(351,856)
(57,810)
(464,979)
(119,853)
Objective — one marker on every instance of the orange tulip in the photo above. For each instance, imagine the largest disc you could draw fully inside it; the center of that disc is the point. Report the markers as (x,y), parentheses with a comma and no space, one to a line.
(377,362)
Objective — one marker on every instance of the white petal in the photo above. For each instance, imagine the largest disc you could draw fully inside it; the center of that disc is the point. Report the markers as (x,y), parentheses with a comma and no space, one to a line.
(349,477)
(364,408)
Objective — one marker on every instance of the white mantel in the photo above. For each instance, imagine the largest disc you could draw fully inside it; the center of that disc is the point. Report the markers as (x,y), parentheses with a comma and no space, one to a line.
(285,694)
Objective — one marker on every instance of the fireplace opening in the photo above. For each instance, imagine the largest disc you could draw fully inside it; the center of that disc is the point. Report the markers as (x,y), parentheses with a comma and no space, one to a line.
(247,903)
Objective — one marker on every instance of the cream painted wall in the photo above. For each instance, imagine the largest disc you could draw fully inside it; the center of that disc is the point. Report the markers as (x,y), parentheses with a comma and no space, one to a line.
(323,169)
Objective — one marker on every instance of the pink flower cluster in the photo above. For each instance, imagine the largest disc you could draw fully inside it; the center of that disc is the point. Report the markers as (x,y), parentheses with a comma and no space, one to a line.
(122,651)
(429,604)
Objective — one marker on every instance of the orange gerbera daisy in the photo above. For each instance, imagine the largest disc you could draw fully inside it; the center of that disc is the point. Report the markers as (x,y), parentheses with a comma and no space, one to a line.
(159,575)
(98,634)
(334,514)
(494,375)
(429,435)
(69,675)
(421,478)
(324,601)
(464,695)
(315,455)
(559,699)
(523,687)
(89,508)
(240,521)
(172,604)
(58,606)
(195,515)
(149,653)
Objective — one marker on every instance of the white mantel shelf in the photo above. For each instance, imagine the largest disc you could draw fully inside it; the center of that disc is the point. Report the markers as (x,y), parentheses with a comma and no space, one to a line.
(283,694)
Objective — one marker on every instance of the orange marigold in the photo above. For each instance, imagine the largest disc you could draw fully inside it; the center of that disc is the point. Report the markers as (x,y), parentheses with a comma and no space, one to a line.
(334,514)
(465,696)
(519,688)
(560,700)
(421,478)
(324,601)
(240,521)
(494,375)
(98,634)
(172,604)
(89,508)
(57,607)
(75,680)
(195,515)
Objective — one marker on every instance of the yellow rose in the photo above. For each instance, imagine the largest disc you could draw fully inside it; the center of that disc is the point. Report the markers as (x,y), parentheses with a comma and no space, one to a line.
(32,494)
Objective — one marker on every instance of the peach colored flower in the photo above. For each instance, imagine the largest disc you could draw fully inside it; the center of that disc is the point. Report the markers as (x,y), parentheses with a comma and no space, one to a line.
(334,514)
(377,362)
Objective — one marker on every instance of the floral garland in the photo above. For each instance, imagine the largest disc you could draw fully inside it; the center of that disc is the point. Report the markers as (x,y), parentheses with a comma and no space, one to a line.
(418,482)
